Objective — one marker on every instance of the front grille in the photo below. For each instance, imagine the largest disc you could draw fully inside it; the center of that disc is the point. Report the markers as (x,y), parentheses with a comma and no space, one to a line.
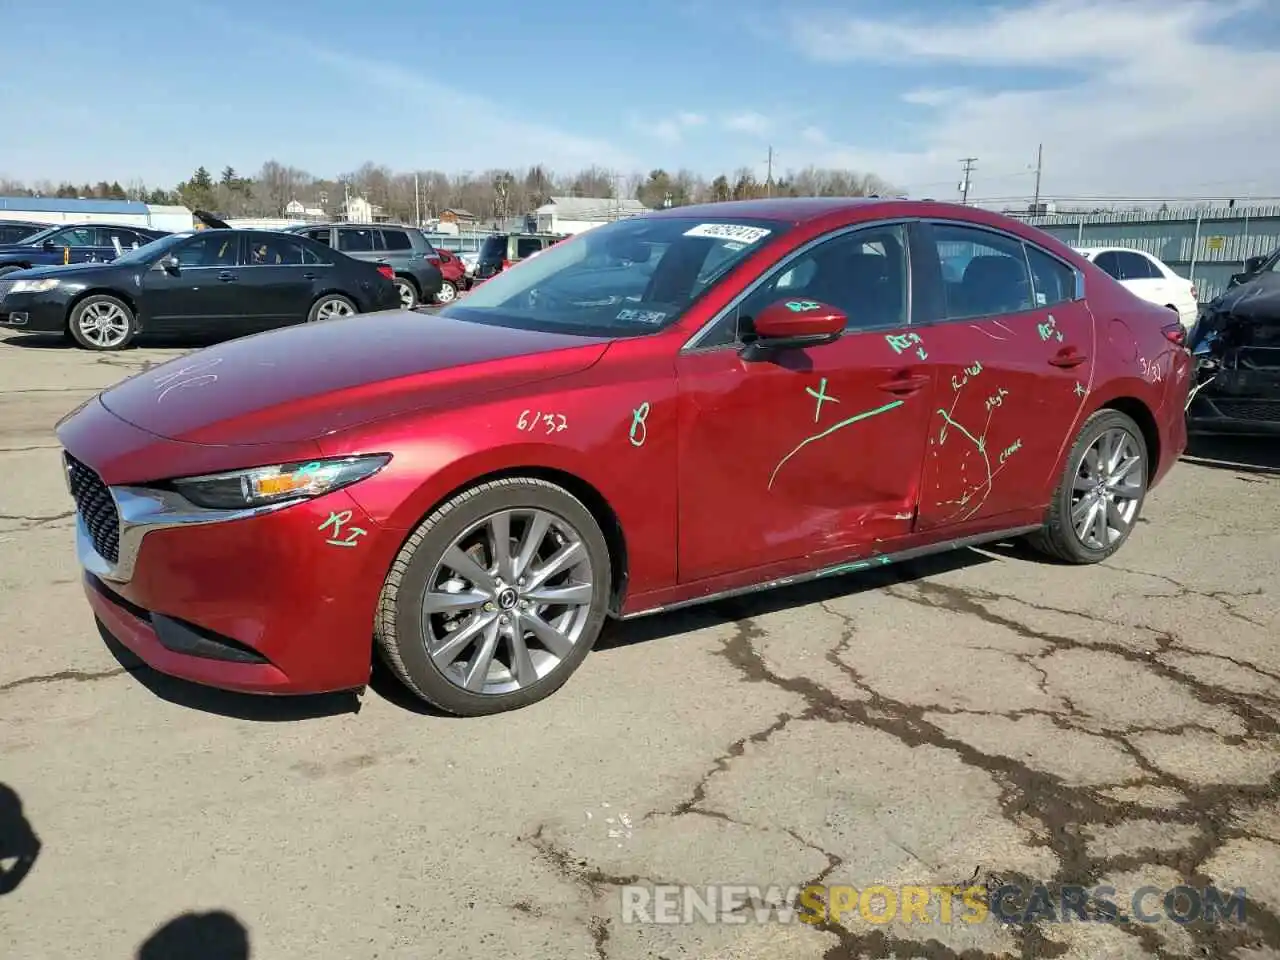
(1256,410)
(96,508)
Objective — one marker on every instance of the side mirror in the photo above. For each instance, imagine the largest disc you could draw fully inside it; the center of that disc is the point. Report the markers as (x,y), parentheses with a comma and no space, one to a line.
(1254,264)
(794,325)
(170,265)
(49,246)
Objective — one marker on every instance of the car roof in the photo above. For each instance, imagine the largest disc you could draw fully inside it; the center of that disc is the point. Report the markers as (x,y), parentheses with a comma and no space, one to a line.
(100,223)
(1094,251)
(797,209)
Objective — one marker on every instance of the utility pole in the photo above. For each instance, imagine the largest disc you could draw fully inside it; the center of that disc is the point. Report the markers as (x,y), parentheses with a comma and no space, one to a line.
(1039,164)
(417,202)
(768,176)
(966,183)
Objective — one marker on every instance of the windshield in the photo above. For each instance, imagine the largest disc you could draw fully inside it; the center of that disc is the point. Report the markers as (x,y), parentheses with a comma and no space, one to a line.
(156,248)
(495,248)
(37,238)
(626,278)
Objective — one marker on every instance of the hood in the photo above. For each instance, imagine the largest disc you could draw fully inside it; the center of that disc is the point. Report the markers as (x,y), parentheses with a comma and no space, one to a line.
(303,382)
(60,270)
(1259,299)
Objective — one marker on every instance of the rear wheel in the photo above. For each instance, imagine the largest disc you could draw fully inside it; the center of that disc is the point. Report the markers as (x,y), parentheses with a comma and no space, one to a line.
(1100,495)
(102,322)
(331,306)
(447,292)
(408,293)
(497,597)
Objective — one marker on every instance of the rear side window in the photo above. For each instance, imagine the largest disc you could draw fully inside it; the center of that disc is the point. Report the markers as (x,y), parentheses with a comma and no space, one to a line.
(984,274)
(354,240)
(319,236)
(396,240)
(527,246)
(1052,280)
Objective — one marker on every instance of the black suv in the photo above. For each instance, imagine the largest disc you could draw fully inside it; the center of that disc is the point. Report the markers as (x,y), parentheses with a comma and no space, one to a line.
(402,248)
(504,249)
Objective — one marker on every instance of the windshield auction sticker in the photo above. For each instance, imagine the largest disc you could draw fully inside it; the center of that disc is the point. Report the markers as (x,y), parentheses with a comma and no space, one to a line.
(728,231)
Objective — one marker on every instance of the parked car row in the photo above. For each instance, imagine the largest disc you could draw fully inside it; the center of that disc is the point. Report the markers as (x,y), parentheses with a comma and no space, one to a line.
(214,281)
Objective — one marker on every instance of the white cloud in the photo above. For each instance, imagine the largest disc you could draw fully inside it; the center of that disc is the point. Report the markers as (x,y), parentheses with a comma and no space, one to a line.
(1149,105)
(670,130)
(748,122)
(814,135)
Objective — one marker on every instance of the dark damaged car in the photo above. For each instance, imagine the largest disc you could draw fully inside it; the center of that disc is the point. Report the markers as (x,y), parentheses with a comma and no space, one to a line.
(1236,345)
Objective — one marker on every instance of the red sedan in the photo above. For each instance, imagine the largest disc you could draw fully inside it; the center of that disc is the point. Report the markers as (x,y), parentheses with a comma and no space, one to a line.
(661,411)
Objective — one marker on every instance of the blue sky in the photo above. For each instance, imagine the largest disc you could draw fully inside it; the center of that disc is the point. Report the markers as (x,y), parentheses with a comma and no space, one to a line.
(1129,97)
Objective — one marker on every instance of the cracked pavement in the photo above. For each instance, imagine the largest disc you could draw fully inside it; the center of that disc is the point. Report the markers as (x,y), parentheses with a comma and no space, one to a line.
(975,717)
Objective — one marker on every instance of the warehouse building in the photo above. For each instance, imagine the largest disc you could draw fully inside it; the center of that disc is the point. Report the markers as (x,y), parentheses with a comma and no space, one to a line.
(54,210)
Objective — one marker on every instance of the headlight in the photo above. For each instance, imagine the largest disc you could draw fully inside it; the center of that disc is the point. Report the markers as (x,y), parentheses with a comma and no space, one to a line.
(262,486)
(34,286)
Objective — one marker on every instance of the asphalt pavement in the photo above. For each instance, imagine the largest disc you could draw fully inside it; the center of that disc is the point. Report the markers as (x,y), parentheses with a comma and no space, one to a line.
(976,718)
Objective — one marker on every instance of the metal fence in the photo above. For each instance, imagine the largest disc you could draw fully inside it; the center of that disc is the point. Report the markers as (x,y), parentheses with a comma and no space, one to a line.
(1204,245)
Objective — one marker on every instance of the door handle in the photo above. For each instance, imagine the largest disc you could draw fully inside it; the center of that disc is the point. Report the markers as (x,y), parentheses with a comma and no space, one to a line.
(1068,357)
(227,277)
(308,276)
(910,383)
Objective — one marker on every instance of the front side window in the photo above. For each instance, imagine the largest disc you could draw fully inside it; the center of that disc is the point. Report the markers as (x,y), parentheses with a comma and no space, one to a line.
(210,250)
(74,237)
(984,274)
(625,278)
(1134,266)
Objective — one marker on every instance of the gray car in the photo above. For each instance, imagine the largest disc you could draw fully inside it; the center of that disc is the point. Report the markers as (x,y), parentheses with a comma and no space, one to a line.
(403,248)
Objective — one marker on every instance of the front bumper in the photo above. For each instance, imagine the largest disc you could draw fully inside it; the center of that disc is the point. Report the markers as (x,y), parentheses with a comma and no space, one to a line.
(268,600)
(32,312)
(1236,416)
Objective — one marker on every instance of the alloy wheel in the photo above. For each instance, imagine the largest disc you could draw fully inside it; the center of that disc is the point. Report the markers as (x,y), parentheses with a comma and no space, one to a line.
(408,296)
(448,293)
(104,324)
(508,601)
(1109,485)
(332,309)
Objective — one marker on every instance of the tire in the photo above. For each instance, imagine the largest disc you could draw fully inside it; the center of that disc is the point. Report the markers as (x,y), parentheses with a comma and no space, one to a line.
(447,293)
(408,293)
(402,625)
(1060,539)
(102,322)
(332,306)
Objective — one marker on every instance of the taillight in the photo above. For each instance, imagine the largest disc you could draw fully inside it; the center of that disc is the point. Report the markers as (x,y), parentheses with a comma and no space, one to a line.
(386,271)
(434,261)
(506,264)
(1176,333)
(1195,294)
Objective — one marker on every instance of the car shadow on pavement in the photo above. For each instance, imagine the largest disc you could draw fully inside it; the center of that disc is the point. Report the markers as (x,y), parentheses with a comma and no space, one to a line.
(19,845)
(216,935)
(225,703)
(1256,455)
(54,342)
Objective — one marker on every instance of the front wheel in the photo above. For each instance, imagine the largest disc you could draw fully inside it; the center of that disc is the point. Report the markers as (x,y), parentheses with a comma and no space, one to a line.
(1100,496)
(496,598)
(102,322)
(447,292)
(332,306)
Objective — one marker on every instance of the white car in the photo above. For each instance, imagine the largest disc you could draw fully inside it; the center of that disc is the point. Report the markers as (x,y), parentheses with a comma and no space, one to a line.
(1148,277)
